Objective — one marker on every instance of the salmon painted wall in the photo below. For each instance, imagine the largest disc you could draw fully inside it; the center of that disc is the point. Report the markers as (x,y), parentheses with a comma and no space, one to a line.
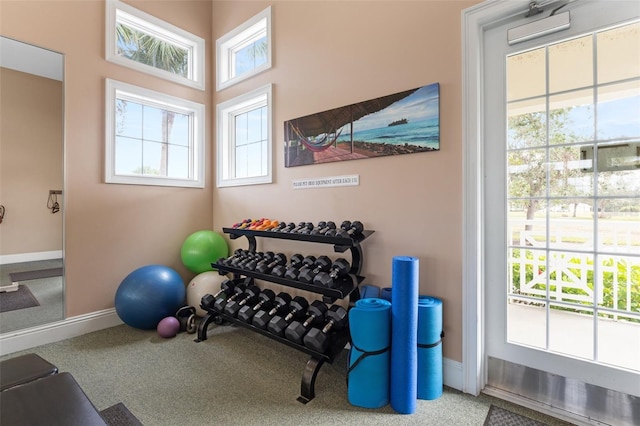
(31,142)
(332,54)
(326,55)
(111,229)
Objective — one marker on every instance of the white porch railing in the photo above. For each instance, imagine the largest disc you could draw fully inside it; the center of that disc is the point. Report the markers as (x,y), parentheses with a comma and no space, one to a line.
(563,264)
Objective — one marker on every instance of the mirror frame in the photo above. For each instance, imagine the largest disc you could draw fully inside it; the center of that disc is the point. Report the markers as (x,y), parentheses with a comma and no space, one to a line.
(40,61)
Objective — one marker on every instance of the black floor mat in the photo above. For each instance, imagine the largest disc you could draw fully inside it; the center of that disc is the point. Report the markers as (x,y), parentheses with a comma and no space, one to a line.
(119,415)
(19,299)
(34,275)
(500,417)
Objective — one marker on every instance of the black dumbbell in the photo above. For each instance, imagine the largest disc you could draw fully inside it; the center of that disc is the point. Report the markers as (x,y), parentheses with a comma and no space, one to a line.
(294,262)
(318,339)
(223,299)
(323,230)
(297,330)
(265,300)
(260,258)
(331,226)
(289,227)
(298,227)
(315,229)
(237,254)
(293,270)
(207,301)
(339,268)
(350,229)
(253,258)
(332,232)
(280,303)
(227,260)
(226,289)
(323,263)
(297,307)
(249,255)
(266,267)
(249,297)
(305,229)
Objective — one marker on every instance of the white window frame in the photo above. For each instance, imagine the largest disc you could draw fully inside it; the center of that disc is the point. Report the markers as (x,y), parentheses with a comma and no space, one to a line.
(236,39)
(116,89)
(118,11)
(226,112)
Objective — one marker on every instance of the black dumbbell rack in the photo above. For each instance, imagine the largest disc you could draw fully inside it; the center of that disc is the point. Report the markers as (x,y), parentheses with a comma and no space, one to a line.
(347,286)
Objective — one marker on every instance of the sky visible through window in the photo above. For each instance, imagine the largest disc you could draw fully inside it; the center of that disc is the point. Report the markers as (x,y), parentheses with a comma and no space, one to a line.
(142,132)
(251,143)
(591,121)
(610,121)
(250,57)
(617,119)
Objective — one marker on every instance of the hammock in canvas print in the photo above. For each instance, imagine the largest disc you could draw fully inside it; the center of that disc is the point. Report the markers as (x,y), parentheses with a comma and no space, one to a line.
(403,123)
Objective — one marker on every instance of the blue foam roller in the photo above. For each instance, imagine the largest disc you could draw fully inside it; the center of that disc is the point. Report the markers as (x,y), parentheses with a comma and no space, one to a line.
(429,348)
(404,343)
(369,358)
(368,291)
(385,293)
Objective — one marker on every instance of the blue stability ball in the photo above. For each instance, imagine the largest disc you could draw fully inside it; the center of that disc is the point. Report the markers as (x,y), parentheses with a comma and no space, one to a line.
(148,295)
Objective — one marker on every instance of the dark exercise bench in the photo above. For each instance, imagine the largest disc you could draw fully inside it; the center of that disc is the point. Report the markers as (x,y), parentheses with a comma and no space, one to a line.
(32,392)
(24,369)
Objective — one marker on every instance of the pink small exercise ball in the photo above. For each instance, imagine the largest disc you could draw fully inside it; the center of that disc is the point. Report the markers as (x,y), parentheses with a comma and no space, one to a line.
(168,327)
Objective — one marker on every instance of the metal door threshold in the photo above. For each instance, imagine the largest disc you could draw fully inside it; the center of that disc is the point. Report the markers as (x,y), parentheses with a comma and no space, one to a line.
(561,397)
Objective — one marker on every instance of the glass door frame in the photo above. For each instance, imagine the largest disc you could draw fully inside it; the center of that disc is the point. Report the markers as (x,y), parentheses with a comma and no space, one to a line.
(475,21)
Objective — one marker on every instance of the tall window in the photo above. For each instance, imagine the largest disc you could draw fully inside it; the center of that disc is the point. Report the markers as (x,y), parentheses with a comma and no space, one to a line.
(245,51)
(244,139)
(153,138)
(143,42)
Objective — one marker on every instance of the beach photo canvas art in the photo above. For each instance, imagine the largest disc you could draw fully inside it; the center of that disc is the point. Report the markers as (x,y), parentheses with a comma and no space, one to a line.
(403,123)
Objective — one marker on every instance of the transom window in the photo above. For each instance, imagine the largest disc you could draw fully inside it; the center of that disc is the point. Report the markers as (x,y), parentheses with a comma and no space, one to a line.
(252,54)
(153,138)
(143,42)
(244,139)
(245,51)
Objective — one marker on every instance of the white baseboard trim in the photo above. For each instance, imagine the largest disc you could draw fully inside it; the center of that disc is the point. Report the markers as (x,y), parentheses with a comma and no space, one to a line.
(54,332)
(30,257)
(452,373)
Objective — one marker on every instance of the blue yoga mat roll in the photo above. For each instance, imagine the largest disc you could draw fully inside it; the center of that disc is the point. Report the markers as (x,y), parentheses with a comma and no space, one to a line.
(429,347)
(385,293)
(369,291)
(369,358)
(404,344)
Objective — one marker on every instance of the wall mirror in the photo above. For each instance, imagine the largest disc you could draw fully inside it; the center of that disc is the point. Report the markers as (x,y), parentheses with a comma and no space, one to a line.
(31,185)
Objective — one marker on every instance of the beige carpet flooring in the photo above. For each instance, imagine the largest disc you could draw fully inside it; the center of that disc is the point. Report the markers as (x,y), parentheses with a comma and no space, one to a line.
(235,377)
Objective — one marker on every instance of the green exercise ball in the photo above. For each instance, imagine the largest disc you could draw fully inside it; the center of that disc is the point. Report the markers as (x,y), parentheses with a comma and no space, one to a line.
(202,248)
